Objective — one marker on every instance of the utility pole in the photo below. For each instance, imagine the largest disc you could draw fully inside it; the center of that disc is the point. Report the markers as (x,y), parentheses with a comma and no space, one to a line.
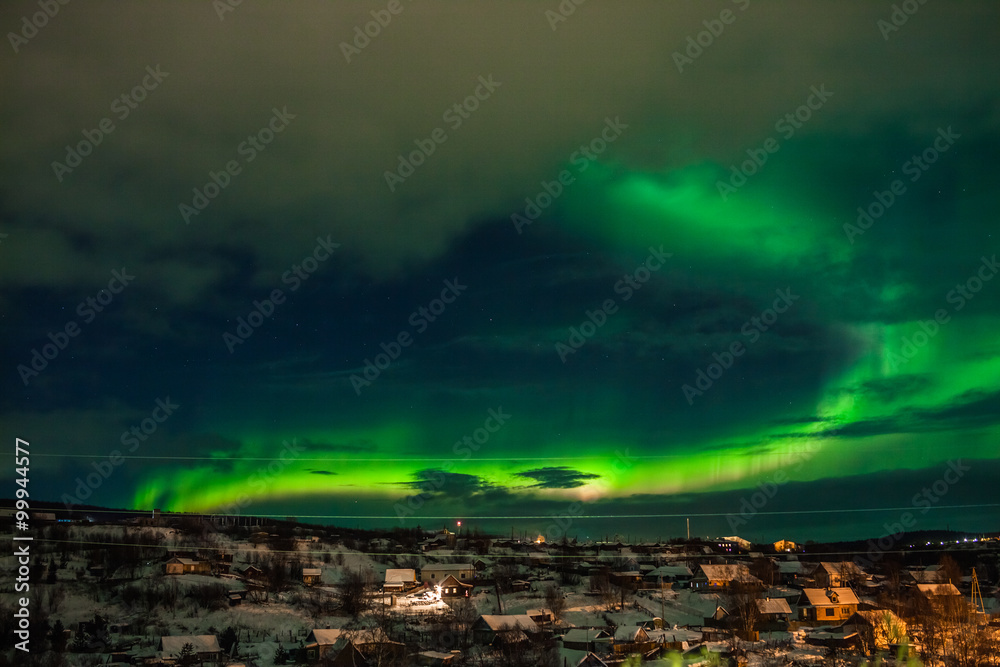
(662,615)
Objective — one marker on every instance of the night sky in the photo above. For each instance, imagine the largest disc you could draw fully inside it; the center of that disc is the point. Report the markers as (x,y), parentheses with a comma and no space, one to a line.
(578,273)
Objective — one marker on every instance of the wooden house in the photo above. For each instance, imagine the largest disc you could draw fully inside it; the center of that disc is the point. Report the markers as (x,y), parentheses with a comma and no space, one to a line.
(453,588)
(827,606)
(206,647)
(178,565)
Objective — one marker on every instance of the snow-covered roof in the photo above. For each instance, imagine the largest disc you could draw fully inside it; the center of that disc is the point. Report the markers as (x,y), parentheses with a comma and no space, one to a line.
(400,576)
(774,606)
(184,561)
(583,635)
(847,567)
(538,612)
(499,622)
(450,580)
(728,572)
(202,644)
(324,636)
(827,597)
(938,589)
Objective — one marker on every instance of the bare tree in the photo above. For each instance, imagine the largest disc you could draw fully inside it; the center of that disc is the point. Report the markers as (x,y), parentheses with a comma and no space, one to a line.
(555,601)
(353,592)
(600,583)
(742,599)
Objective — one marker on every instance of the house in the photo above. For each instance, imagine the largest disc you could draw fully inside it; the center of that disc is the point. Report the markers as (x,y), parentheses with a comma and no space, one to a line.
(877,629)
(434,574)
(820,606)
(453,588)
(789,571)
(631,580)
(311,575)
(834,575)
(206,647)
(347,648)
(723,576)
(923,576)
(519,586)
(400,580)
(187,566)
(631,639)
(785,545)
(541,617)
(332,646)
(774,613)
(939,596)
(443,540)
(251,573)
(586,639)
(669,575)
(490,626)
(718,618)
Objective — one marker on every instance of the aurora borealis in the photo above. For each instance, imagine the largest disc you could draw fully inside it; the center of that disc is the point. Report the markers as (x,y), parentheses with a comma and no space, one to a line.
(608,294)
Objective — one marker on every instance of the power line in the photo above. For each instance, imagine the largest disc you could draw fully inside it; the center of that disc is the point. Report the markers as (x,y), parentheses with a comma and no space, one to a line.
(498,517)
(253,549)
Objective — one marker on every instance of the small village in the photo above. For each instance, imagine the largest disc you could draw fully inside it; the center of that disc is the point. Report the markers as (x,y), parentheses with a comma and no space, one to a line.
(187,591)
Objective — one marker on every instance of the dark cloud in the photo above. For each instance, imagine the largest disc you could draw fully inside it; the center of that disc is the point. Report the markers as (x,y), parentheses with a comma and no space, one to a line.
(558,477)
(440,482)
(817,367)
(972,409)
